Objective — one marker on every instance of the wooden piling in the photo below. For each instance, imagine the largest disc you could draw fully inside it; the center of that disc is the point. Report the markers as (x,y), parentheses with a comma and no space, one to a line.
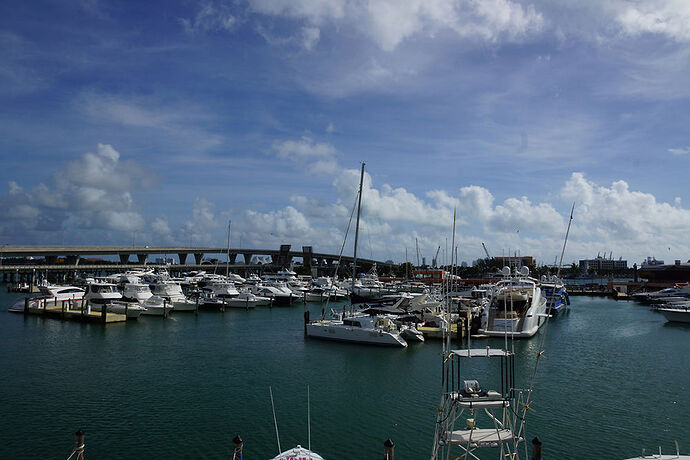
(237,450)
(79,445)
(165,308)
(104,313)
(196,309)
(389,449)
(306,321)
(26,306)
(536,448)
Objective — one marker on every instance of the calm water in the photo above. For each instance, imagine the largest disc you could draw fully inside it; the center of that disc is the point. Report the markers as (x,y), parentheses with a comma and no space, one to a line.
(615,379)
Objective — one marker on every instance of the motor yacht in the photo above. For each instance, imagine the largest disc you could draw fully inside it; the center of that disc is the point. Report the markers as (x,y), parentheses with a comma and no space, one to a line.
(516,308)
(365,329)
(676,313)
(277,292)
(136,292)
(53,296)
(247,300)
(101,293)
(156,306)
(172,293)
(553,289)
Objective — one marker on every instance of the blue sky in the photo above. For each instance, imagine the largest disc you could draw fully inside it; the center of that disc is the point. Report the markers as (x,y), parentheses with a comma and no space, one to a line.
(162,120)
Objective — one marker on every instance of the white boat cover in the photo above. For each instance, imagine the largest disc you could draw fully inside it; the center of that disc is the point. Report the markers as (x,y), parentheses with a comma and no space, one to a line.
(480,436)
(298,453)
(481,352)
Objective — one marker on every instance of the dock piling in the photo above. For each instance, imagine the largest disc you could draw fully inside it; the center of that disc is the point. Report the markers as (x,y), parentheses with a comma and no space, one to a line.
(237,451)
(389,449)
(306,321)
(26,306)
(196,309)
(165,308)
(78,445)
(536,448)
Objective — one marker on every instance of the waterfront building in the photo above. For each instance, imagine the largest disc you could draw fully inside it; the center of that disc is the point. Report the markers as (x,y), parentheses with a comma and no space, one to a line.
(602,263)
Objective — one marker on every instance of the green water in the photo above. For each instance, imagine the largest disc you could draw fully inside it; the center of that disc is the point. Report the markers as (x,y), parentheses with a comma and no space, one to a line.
(615,380)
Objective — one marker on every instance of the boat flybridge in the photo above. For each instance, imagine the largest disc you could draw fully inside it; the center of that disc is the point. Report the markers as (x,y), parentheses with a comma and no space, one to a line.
(476,415)
(516,307)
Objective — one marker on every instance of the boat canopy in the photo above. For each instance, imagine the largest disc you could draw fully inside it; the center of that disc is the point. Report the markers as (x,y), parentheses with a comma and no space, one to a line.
(480,352)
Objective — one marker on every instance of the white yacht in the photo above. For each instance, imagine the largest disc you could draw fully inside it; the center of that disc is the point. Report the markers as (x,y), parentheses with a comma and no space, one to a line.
(132,309)
(676,313)
(172,293)
(372,330)
(136,292)
(247,300)
(101,293)
(277,292)
(368,287)
(53,296)
(156,306)
(516,306)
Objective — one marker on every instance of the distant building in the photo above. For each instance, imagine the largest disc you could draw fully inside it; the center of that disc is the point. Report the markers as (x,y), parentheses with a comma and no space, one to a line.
(651,261)
(463,264)
(515,261)
(601,263)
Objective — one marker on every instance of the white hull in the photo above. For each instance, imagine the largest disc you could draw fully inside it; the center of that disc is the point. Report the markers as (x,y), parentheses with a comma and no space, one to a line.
(154,311)
(676,315)
(132,311)
(241,303)
(184,306)
(328,331)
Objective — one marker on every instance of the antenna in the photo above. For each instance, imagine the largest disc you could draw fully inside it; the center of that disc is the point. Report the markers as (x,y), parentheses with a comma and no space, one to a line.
(275,422)
(308,419)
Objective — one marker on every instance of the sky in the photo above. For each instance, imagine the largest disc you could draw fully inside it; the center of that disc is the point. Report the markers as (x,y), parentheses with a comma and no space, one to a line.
(159,122)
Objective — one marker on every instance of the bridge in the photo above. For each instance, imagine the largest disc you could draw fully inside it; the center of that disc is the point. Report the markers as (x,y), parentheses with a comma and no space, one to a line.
(280,258)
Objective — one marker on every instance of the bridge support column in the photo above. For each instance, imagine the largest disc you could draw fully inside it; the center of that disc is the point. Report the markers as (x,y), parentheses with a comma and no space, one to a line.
(142,258)
(72,260)
(124,258)
(183,257)
(233,259)
(51,260)
(307,255)
(198,256)
(247,257)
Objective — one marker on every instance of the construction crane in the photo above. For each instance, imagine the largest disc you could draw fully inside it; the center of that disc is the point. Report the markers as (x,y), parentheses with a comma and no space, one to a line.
(436,256)
(486,251)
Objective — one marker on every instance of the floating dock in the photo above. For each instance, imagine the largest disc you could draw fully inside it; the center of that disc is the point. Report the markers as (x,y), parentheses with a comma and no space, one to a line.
(67,312)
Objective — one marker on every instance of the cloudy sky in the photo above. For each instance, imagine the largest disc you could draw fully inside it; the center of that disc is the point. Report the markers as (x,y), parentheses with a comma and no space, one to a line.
(160,121)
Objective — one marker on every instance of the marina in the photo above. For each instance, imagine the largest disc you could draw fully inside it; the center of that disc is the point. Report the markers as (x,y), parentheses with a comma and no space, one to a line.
(210,374)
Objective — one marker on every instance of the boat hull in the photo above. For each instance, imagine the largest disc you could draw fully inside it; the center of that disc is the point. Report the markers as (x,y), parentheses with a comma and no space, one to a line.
(325,331)
(676,315)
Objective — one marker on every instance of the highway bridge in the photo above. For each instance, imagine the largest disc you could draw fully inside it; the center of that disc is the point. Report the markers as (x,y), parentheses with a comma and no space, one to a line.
(67,258)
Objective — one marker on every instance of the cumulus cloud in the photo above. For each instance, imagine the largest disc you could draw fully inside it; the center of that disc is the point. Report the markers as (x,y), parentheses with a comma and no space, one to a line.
(93,192)
(320,157)
(631,221)
(670,18)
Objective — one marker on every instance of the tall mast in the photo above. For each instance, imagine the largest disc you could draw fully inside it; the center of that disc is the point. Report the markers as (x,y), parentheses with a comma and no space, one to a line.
(560,264)
(227,263)
(359,208)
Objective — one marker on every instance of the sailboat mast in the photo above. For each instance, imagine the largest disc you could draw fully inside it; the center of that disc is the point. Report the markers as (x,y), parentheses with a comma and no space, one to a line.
(359,208)
(227,263)
(560,263)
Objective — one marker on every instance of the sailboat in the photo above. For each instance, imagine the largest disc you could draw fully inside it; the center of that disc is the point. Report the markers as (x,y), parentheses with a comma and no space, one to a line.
(299,452)
(357,328)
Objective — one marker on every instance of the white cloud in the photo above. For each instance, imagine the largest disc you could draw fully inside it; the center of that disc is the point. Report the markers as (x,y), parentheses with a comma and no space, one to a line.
(390,22)
(310,37)
(210,18)
(670,18)
(320,157)
(93,192)
(680,151)
(630,222)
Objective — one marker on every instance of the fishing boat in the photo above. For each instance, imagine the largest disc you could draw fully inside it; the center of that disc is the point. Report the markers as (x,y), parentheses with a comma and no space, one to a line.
(516,307)
(53,296)
(172,293)
(476,415)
